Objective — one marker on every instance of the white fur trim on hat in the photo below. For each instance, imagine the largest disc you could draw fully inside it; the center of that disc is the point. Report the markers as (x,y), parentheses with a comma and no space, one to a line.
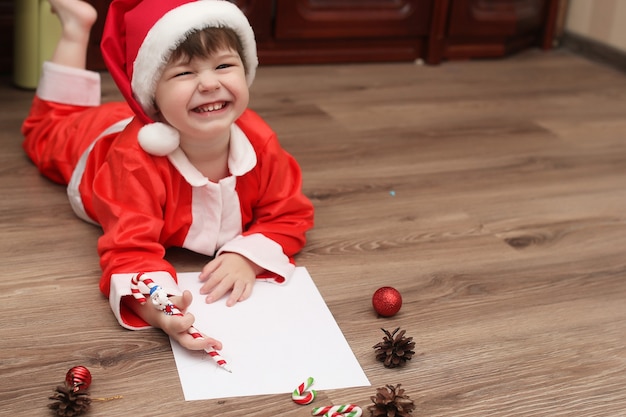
(158,139)
(171,30)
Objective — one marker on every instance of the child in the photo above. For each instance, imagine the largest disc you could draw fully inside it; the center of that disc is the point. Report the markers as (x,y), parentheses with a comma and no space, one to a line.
(182,163)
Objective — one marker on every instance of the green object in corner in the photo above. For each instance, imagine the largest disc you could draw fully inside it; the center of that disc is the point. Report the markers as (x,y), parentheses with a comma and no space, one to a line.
(37,31)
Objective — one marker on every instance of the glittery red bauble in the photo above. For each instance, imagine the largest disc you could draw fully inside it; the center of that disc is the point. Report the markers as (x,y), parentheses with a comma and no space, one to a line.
(78,378)
(387,301)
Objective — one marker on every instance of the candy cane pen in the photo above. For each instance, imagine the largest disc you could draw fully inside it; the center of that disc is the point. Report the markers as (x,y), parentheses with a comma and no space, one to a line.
(161,301)
(211,352)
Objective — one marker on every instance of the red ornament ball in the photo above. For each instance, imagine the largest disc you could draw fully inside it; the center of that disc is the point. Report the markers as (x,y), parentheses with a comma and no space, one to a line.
(387,301)
(78,378)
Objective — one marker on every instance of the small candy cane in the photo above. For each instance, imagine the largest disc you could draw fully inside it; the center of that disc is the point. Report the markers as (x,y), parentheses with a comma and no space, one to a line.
(161,301)
(211,352)
(302,395)
(348,410)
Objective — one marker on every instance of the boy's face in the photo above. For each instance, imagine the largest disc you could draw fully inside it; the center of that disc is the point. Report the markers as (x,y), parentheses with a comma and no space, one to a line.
(202,97)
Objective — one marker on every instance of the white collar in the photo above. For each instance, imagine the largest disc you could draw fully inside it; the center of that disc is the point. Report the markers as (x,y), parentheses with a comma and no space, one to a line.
(241,159)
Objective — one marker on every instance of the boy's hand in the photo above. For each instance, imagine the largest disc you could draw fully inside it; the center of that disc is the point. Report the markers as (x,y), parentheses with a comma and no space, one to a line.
(177,327)
(229,272)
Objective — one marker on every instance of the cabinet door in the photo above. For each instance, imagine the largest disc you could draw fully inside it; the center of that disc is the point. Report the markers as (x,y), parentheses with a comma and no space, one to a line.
(463,29)
(495,17)
(350,19)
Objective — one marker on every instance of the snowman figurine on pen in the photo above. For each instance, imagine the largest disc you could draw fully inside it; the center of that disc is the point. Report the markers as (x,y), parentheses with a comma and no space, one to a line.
(160,300)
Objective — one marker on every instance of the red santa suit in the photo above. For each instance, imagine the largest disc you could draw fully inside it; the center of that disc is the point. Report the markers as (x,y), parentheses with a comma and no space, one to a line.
(146,203)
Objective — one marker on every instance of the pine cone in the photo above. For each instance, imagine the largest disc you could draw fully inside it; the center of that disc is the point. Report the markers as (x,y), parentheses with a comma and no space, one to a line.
(390,401)
(69,403)
(395,350)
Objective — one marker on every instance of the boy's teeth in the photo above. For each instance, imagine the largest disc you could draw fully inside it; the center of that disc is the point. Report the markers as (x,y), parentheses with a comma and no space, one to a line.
(211,107)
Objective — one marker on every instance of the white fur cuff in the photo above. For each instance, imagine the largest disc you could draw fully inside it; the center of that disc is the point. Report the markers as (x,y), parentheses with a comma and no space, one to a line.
(68,85)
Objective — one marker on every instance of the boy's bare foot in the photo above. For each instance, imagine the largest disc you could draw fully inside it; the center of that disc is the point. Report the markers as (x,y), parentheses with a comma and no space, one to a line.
(76,16)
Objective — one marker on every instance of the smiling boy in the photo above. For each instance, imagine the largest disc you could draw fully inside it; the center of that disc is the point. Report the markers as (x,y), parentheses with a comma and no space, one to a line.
(183,162)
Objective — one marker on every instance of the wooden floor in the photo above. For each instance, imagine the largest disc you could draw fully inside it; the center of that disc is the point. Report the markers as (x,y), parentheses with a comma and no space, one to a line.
(492,194)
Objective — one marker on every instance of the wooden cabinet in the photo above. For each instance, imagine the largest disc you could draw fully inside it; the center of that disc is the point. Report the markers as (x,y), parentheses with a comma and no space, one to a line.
(463,29)
(324,31)
(332,31)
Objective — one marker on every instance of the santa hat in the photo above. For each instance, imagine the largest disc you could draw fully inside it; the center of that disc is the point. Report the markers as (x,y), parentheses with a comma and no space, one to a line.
(138,39)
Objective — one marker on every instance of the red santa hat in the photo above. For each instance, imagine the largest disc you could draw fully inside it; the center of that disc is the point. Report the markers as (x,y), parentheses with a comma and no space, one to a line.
(138,39)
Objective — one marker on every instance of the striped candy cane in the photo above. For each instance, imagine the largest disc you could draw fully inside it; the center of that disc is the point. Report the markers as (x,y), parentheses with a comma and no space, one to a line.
(301,395)
(347,410)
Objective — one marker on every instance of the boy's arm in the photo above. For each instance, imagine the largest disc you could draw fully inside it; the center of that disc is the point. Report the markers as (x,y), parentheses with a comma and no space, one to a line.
(276,214)
(127,200)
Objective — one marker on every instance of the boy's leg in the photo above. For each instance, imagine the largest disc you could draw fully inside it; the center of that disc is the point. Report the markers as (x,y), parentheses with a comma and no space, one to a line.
(64,91)
(66,115)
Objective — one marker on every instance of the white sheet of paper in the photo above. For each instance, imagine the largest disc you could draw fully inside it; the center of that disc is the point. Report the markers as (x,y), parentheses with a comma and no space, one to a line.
(273,342)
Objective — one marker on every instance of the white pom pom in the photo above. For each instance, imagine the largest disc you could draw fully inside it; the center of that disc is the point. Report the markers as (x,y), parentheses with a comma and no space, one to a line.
(158,139)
